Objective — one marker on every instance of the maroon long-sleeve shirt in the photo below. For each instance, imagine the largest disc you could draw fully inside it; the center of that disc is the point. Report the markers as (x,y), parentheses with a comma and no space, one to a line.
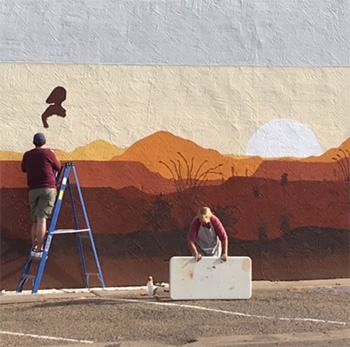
(41,165)
(218,227)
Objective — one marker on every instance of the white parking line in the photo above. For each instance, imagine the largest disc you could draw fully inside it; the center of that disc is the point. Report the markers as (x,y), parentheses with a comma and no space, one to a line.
(201,308)
(43,337)
(225,312)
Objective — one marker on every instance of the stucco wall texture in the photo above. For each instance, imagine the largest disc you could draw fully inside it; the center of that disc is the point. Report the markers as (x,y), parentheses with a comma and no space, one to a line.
(216,107)
(239,105)
(184,32)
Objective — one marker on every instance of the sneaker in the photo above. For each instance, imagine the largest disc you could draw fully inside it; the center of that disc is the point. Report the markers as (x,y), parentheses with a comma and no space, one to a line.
(33,252)
(38,254)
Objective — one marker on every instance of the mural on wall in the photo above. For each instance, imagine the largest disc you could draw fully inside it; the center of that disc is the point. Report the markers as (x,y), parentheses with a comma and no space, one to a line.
(267,148)
(55,99)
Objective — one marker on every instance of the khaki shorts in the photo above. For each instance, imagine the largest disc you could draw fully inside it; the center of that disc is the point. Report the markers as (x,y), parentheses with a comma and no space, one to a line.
(41,202)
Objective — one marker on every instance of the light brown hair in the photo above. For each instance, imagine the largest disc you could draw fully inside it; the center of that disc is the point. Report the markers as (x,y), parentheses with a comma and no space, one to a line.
(204,214)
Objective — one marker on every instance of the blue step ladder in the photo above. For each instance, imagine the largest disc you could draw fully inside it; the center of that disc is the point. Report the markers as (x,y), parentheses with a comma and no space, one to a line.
(63,178)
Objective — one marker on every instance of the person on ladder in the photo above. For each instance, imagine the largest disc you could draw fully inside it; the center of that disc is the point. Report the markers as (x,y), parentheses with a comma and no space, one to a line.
(41,166)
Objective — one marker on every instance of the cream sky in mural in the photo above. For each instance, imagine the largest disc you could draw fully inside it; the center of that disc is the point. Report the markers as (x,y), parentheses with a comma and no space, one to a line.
(224,108)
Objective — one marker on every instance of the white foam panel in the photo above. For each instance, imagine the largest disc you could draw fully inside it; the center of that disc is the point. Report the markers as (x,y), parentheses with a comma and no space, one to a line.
(210,278)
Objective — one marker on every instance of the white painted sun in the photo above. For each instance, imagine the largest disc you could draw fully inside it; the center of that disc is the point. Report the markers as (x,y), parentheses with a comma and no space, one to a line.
(283,138)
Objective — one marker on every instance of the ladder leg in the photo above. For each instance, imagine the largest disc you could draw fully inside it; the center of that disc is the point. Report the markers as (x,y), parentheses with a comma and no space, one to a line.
(42,264)
(49,237)
(76,224)
(96,260)
(82,261)
(25,271)
(88,226)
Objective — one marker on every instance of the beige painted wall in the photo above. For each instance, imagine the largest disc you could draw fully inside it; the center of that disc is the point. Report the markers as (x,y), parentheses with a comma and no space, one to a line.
(216,107)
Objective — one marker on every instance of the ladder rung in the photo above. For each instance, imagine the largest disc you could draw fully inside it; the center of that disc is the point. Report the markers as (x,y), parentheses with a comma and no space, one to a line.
(29,277)
(69,231)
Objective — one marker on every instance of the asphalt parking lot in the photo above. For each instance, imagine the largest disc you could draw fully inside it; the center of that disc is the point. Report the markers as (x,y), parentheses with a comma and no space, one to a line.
(308,313)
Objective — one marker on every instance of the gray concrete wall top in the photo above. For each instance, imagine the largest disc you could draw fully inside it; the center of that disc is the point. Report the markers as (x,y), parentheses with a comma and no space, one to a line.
(176,32)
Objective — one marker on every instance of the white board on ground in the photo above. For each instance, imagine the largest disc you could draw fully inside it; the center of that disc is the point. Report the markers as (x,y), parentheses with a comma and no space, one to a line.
(210,278)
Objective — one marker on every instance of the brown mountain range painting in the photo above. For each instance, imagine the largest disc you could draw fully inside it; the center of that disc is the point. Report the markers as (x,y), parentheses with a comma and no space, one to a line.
(284,213)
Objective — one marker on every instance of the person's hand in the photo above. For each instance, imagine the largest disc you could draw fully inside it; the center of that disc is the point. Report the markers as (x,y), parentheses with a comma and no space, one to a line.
(198,257)
(224,256)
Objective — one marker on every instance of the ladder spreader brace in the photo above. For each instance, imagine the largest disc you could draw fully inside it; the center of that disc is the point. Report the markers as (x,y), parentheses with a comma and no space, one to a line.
(63,178)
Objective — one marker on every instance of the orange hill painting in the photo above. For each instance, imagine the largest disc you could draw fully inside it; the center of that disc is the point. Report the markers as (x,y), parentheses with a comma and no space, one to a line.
(141,200)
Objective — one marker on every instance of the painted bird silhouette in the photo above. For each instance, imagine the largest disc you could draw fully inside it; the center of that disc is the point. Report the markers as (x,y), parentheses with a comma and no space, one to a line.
(57,96)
